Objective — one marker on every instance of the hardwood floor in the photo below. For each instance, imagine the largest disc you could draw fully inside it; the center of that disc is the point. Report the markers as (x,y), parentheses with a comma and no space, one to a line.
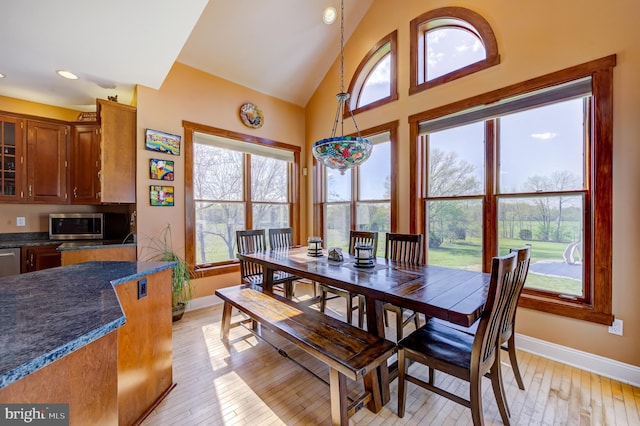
(249,382)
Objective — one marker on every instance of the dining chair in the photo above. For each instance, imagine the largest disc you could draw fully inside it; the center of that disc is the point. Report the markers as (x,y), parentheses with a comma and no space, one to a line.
(407,249)
(355,237)
(280,238)
(252,240)
(507,334)
(459,354)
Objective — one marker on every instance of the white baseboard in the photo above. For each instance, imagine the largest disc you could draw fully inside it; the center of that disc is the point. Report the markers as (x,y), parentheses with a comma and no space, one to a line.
(203,302)
(625,373)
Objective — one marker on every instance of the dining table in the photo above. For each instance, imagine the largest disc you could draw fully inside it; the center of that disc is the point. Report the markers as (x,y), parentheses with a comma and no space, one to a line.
(454,295)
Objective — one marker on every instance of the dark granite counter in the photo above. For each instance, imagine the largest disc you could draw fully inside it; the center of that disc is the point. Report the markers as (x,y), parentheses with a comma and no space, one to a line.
(47,314)
(25,239)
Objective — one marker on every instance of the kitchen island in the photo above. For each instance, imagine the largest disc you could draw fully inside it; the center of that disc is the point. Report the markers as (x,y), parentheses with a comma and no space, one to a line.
(95,335)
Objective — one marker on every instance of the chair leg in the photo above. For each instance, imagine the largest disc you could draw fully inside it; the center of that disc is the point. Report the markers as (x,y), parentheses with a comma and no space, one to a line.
(402,387)
(416,320)
(511,345)
(495,374)
(349,309)
(475,389)
(386,318)
(399,323)
(360,311)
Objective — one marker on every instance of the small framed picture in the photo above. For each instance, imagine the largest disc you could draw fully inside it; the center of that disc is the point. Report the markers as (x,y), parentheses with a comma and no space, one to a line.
(162,142)
(160,169)
(160,195)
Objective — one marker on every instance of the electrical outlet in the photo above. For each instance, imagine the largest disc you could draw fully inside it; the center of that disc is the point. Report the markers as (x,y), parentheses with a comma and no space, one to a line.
(142,288)
(21,221)
(616,327)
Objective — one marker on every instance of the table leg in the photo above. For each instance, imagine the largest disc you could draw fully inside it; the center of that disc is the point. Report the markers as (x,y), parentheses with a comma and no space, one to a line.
(375,324)
(267,279)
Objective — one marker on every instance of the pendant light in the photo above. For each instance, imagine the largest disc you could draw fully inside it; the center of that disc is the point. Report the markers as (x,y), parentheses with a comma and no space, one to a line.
(339,151)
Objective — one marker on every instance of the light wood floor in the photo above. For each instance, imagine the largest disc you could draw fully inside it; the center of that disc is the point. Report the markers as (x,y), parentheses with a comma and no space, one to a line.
(250,383)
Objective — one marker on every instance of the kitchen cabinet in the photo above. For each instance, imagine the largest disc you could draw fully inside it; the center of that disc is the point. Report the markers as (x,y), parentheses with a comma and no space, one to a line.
(12,165)
(36,258)
(117,152)
(85,163)
(47,145)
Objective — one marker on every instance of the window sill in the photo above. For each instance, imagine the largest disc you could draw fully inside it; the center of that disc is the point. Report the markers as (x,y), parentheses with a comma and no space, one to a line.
(213,270)
(566,308)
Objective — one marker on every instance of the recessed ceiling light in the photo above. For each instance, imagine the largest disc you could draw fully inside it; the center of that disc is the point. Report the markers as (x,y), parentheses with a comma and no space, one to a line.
(1,75)
(67,74)
(329,15)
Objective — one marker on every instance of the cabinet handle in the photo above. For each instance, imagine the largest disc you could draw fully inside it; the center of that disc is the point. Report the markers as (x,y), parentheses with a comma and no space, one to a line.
(30,191)
(100,175)
(75,192)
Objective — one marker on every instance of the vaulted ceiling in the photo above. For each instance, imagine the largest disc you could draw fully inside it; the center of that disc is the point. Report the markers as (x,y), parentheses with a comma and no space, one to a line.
(277,47)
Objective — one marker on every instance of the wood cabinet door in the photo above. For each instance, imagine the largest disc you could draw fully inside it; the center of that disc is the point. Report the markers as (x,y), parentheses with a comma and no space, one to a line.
(36,258)
(85,164)
(117,152)
(47,162)
(12,167)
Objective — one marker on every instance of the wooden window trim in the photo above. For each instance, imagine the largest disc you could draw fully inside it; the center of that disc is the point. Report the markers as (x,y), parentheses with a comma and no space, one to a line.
(392,39)
(482,29)
(599,308)
(231,266)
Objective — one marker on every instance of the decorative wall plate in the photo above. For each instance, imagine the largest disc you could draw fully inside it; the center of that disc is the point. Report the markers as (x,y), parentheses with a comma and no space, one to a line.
(251,116)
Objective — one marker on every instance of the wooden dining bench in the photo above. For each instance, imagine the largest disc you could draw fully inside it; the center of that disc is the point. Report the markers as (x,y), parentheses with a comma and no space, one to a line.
(350,352)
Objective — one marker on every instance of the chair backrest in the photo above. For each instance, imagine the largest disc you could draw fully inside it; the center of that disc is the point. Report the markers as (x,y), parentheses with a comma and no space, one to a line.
(523,255)
(280,238)
(362,237)
(249,241)
(485,344)
(405,248)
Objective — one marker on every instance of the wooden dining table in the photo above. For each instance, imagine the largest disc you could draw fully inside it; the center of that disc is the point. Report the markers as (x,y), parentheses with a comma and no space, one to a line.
(454,295)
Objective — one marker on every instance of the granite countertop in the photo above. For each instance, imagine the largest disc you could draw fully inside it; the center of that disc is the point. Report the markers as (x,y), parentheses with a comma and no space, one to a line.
(47,314)
(27,239)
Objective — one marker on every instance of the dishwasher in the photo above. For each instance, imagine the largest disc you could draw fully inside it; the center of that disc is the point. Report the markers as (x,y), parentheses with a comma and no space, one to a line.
(9,261)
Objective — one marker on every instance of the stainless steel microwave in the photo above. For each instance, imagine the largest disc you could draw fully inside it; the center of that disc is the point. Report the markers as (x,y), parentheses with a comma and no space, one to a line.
(88,226)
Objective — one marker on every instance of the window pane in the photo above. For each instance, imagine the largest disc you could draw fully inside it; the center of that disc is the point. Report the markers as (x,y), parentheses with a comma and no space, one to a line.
(375,174)
(454,230)
(338,226)
(451,48)
(553,226)
(374,217)
(216,225)
(267,216)
(378,83)
(268,179)
(217,173)
(338,186)
(456,161)
(542,149)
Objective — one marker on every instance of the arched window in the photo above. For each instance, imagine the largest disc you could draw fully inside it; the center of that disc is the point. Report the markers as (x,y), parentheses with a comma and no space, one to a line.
(374,82)
(449,43)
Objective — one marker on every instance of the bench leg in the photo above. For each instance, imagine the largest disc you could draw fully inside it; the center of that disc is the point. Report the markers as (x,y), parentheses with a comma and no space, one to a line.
(226,321)
(372,385)
(339,401)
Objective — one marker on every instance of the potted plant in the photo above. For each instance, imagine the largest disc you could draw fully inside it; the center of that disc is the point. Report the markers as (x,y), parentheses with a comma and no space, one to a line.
(161,248)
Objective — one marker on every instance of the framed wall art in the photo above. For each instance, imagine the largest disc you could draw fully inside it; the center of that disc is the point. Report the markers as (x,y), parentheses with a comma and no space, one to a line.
(160,169)
(162,142)
(160,195)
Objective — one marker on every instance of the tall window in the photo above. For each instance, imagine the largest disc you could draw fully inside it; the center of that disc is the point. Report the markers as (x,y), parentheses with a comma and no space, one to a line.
(529,164)
(235,185)
(362,198)
(449,43)
(374,82)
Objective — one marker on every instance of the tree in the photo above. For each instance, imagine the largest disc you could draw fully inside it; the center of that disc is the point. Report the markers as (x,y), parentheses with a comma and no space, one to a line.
(449,176)
(219,193)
